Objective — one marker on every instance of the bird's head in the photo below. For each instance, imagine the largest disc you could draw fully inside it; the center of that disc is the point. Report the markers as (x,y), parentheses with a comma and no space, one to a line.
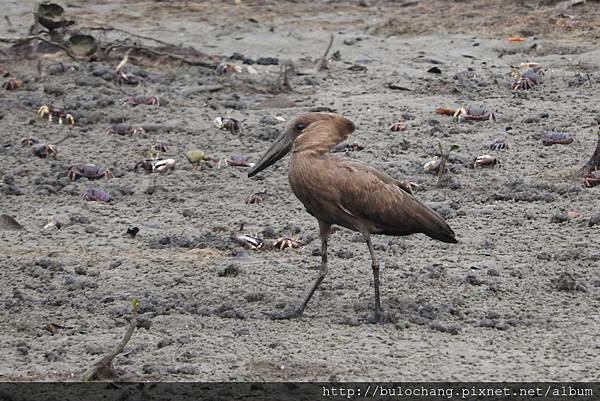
(320,131)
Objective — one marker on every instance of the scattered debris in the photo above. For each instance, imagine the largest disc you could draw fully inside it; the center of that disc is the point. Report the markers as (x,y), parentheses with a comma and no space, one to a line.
(9,223)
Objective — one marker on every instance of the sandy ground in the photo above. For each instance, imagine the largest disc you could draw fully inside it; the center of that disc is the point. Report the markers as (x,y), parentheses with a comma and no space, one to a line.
(490,308)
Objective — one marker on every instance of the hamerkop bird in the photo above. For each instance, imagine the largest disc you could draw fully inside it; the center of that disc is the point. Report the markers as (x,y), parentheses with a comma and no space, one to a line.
(348,193)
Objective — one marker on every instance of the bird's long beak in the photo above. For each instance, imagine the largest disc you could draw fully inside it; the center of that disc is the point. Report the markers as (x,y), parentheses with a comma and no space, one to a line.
(281,147)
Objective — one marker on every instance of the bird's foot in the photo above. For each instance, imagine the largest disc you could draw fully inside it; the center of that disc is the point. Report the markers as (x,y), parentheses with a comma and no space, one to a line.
(375,318)
(294,314)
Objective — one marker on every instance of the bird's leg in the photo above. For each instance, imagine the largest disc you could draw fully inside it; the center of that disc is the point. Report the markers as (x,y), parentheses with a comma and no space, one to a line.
(378,316)
(322,273)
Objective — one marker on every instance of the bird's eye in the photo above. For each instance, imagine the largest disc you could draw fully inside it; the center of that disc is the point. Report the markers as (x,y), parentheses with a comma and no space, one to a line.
(300,126)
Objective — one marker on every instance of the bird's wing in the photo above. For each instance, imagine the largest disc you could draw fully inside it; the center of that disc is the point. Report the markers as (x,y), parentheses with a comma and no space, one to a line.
(381,201)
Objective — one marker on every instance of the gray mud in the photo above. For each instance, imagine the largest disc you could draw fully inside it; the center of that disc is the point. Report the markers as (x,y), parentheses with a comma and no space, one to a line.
(516,299)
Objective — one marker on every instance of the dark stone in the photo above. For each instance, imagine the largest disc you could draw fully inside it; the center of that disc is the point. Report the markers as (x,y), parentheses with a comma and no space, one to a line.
(267,61)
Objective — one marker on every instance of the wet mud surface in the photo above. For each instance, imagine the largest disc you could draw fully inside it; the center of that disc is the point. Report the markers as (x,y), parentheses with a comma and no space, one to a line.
(516,299)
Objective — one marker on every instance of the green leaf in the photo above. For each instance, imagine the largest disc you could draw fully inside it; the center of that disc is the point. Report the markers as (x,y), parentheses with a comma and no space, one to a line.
(135,303)
(454,147)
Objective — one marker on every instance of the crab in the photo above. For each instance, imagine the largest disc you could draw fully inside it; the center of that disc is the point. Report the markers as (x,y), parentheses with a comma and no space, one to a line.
(474,113)
(398,126)
(498,144)
(225,68)
(95,194)
(468,73)
(346,147)
(557,138)
(485,161)
(236,161)
(58,112)
(529,78)
(249,242)
(124,129)
(29,141)
(592,179)
(283,243)
(89,171)
(255,198)
(154,164)
(230,124)
(60,68)
(12,84)
(434,166)
(159,146)
(142,99)
(44,150)
(128,79)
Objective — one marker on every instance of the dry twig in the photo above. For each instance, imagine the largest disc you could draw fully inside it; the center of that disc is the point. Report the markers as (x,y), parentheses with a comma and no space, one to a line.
(323,64)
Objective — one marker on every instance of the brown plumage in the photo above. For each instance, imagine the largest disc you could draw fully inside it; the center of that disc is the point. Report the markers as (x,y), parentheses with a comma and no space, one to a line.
(345,192)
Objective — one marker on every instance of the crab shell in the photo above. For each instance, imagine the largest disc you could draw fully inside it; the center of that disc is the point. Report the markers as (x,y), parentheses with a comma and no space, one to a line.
(485,161)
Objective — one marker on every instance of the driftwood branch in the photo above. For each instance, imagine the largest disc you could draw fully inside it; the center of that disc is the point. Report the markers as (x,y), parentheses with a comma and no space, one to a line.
(103,369)
(25,39)
(157,53)
(322,65)
(112,28)
(594,163)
